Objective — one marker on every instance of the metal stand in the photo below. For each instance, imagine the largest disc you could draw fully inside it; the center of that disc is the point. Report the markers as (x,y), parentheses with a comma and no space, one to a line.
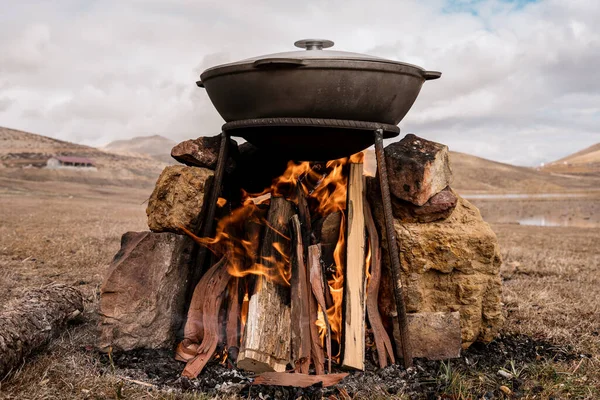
(393,250)
(209,216)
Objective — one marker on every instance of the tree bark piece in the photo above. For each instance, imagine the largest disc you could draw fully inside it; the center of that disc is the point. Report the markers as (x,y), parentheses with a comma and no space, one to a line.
(354,280)
(382,339)
(267,336)
(30,322)
(301,346)
(297,380)
(318,289)
(203,317)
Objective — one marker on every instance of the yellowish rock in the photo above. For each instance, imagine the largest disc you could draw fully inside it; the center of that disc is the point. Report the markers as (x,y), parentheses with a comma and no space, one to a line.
(178,198)
(449,265)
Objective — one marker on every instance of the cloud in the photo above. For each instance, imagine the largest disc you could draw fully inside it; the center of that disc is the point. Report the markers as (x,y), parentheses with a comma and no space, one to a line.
(521,80)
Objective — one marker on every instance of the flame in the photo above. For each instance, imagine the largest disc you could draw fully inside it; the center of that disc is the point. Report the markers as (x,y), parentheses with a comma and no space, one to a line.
(221,202)
(324,185)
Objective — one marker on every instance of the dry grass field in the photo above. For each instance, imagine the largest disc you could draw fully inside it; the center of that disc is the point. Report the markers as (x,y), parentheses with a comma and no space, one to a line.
(62,232)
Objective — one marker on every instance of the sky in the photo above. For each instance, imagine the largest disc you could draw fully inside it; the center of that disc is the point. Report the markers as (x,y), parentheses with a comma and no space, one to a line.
(520,83)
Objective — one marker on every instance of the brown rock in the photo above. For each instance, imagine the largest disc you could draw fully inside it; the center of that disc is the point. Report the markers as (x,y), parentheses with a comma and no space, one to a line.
(449,265)
(440,206)
(178,198)
(204,152)
(417,169)
(142,299)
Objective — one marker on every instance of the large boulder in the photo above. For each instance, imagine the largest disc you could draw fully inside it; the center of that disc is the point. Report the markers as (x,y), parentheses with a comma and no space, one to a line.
(452,264)
(417,169)
(142,298)
(178,198)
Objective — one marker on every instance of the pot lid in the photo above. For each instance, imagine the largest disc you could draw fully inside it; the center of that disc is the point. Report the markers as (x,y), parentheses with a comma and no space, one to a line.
(315,50)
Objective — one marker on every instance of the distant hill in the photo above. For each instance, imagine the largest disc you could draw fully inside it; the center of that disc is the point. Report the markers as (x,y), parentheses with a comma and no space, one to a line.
(157,147)
(19,150)
(584,162)
(476,174)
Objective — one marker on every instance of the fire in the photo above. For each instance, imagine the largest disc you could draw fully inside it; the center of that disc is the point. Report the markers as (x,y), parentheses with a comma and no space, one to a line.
(324,185)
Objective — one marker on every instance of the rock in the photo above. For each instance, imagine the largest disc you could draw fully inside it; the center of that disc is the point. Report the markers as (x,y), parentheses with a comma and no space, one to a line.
(178,198)
(440,206)
(417,169)
(142,298)
(204,152)
(449,265)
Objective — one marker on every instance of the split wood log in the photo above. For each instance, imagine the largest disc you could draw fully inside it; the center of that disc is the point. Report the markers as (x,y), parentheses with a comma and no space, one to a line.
(232,330)
(30,322)
(300,294)
(266,340)
(318,289)
(297,380)
(203,320)
(329,228)
(382,339)
(354,281)
(316,352)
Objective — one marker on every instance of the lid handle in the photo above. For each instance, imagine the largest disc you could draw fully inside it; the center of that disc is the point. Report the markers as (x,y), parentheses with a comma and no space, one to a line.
(314,44)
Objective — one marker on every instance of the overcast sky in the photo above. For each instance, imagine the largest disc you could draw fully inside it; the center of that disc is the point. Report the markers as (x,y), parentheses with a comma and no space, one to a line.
(520,83)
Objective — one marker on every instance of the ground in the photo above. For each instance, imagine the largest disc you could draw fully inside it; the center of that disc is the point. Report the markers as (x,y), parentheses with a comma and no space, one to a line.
(67,232)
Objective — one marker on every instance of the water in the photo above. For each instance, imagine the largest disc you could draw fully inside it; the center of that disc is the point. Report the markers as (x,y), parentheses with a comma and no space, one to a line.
(500,196)
(547,221)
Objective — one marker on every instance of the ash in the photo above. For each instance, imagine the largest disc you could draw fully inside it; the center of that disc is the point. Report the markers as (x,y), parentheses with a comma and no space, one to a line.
(423,381)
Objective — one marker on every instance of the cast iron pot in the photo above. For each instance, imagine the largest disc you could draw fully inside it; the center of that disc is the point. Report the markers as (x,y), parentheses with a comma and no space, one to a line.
(319,84)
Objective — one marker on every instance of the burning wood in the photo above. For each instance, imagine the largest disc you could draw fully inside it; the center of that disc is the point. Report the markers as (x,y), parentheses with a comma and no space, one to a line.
(266,340)
(301,340)
(294,302)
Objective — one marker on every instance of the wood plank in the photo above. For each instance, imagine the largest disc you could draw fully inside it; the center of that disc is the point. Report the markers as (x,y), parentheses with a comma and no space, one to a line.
(354,279)
(300,318)
(318,289)
(297,380)
(266,340)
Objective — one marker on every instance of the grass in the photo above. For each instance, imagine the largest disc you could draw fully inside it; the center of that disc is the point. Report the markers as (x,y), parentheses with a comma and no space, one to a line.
(70,233)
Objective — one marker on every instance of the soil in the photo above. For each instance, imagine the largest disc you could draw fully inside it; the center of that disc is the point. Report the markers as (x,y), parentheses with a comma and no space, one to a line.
(420,382)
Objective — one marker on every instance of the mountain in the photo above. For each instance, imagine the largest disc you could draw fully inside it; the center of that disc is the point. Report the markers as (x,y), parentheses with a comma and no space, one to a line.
(584,162)
(157,147)
(20,150)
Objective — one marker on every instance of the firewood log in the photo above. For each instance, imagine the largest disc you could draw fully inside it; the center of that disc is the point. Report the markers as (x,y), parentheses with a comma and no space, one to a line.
(30,322)
(300,294)
(266,339)
(354,281)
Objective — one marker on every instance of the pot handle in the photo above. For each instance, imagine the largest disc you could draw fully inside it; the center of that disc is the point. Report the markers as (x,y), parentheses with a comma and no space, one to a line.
(200,84)
(430,75)
(278,62)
